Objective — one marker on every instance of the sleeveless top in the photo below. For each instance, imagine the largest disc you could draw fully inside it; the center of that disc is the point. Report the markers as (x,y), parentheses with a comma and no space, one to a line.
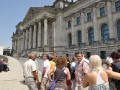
(61,83)
(100,84)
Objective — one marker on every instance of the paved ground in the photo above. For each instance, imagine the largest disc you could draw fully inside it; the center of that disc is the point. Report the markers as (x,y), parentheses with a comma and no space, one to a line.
(12,80)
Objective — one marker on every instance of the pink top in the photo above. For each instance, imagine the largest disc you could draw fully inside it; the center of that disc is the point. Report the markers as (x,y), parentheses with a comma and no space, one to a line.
(81,69)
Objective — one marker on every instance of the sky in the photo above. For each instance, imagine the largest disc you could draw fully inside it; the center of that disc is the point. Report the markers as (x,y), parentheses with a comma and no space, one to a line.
(11,13)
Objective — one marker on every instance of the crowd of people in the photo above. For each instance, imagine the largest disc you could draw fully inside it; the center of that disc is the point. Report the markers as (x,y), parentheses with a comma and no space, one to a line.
(60,73)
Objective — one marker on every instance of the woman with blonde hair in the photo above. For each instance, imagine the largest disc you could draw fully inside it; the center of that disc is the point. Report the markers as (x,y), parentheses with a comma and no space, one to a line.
(97,79)
(61,64)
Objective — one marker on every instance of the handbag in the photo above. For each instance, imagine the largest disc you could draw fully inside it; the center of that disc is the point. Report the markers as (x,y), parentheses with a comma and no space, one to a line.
(52,85)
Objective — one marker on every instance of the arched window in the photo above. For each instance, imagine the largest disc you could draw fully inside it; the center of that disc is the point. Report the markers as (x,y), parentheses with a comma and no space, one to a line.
(118,30)
(90,36)
(79,35)
(69,39)
(105,33)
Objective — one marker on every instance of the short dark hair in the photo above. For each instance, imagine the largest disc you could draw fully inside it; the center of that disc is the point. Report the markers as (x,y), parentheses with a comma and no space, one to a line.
(50,58)
(115,55)
(78,53)
(47,56)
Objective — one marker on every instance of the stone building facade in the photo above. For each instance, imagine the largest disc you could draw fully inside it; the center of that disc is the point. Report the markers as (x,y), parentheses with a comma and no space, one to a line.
(90,26)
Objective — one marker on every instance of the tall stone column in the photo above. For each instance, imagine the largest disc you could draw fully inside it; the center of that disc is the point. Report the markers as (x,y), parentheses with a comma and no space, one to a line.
(73,33)
(22,48)
(18,45)
(34,36)
(26,39)
(45,32)
(15,46)
(83,27)
(53,34)
(96,31)
(110,20)
(30,36)
(39,34)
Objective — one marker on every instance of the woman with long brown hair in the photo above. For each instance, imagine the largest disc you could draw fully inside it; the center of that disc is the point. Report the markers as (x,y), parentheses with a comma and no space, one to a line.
(61,64)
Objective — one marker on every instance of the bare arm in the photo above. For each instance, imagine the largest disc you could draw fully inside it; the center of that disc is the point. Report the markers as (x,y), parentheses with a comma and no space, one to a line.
(85,82)
(44,70)
(112,74)
(35,74)
(68,74)
(50,71)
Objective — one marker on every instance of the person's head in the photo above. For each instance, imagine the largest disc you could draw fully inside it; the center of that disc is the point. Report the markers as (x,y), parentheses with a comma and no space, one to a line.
(115,56)
(95,62)
(79,56)
(51,58)
(106,64)
(32,56)
(73,59)
(61,62)
(45,56)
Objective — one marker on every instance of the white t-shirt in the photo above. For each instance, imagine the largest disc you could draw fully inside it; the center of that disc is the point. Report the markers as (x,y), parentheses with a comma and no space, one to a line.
(29,67)
(72,65)
(47,65)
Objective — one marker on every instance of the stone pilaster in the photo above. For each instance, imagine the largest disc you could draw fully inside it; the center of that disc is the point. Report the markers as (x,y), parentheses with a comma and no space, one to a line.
(53,34)
(23,40)
(34,36)
(18,45)
(83,27)
(39,34)
(110,20)
(21,44)
(96,31)
(26,39)
(45,32)
(73,33)
(30,37)
(15,46)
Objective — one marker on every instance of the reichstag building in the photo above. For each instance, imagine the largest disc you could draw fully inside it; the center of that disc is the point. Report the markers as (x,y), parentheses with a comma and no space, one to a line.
(67,26)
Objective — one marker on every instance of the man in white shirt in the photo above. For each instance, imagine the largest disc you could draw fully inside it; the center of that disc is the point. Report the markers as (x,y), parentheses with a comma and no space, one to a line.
(46,68)
(30,72)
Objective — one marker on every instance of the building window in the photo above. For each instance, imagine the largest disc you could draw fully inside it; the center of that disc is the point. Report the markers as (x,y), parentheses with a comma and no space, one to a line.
(117,5)
(88,54)
(104,33)
(79,34)
(103,54)
(69,39)
(78,20)
(89,16)
(118,30)
(102,11)
(91,36)
(69,24)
